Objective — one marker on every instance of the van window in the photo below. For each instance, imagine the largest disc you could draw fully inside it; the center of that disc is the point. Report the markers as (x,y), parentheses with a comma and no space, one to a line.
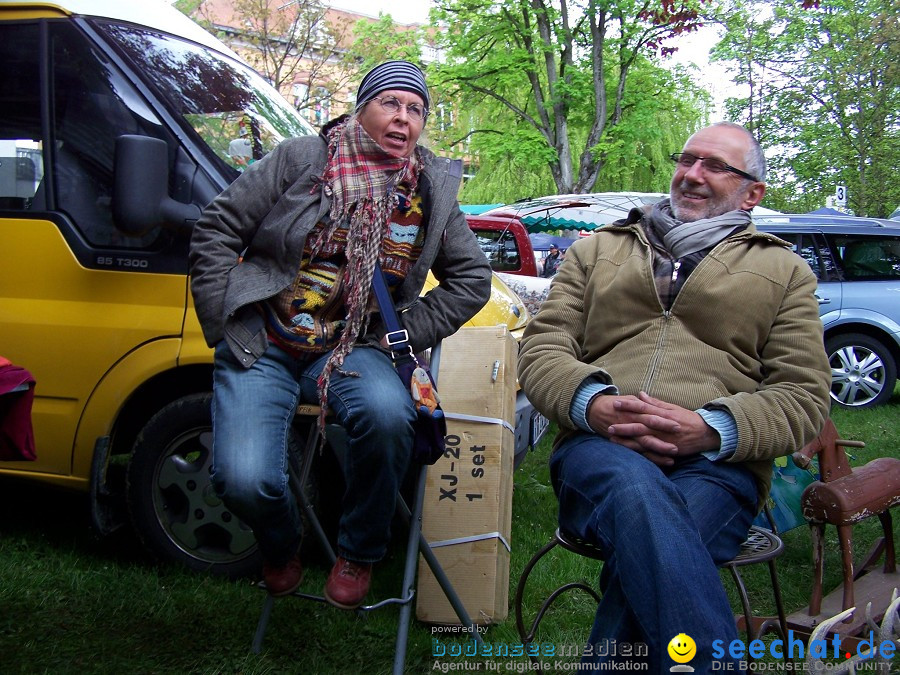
(93,105)
(21,141)
(228,105)
(501,249)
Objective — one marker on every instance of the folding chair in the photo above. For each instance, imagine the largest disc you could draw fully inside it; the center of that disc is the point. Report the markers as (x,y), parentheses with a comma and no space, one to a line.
(416,543)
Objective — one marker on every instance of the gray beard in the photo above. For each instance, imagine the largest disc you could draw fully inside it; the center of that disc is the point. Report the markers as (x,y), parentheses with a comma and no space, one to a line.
(714,207)
(683,238)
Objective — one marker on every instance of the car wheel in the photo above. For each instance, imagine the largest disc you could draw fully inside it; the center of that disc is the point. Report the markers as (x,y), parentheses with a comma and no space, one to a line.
(863,371)
(173,507)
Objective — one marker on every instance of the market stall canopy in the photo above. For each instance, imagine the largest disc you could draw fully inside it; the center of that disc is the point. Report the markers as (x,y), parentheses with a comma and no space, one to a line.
(575,211)
(584,212)
(827,211)
(541,241)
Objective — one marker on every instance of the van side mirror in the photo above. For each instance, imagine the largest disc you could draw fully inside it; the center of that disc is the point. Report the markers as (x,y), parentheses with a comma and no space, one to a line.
(141,200)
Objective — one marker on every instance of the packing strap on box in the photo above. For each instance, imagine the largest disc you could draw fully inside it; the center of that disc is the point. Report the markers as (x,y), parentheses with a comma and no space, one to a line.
(476,418)
(474,537)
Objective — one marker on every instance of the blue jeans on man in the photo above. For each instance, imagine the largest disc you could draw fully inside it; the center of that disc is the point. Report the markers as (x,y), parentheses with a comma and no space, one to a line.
(252,413)
(663,531)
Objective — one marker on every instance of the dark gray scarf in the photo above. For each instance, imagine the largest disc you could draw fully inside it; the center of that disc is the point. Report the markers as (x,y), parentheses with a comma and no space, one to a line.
(681,239)
(679,247)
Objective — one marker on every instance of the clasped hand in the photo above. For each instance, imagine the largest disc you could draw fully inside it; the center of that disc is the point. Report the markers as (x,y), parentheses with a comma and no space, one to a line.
(658,430)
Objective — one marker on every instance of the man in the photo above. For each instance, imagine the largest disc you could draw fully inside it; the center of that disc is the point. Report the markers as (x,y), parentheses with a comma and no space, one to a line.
(551,262)
(679,351)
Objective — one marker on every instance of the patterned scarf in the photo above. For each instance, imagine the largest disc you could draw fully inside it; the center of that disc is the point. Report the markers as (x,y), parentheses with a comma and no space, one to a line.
(361,178)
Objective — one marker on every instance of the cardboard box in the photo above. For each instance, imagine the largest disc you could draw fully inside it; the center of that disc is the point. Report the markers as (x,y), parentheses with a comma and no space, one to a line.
(468,497)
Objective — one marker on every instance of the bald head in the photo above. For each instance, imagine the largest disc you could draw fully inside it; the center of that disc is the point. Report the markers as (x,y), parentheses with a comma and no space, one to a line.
(716,181)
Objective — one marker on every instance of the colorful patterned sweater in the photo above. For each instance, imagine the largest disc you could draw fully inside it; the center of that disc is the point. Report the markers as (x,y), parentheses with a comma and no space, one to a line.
(308,316)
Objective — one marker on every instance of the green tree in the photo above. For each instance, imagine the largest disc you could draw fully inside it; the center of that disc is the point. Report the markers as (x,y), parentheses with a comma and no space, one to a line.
(372,42)
(381,40)
(823,83)
(187,7)
(660,110)
(559,75)
(290,42)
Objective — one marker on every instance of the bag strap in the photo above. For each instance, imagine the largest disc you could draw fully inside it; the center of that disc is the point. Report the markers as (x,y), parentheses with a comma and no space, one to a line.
(397,337)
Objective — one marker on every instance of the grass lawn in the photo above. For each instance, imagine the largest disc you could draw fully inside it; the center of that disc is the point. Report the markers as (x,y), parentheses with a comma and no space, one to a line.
(70,603)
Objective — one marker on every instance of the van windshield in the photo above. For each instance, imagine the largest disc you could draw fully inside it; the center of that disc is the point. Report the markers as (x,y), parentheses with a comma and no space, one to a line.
(236,113)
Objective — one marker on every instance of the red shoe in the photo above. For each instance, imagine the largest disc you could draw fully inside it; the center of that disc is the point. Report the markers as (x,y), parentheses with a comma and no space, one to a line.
(348,584)
(283,580)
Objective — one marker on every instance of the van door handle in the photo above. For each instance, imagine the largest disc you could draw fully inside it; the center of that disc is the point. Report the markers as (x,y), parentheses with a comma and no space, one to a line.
(821,300)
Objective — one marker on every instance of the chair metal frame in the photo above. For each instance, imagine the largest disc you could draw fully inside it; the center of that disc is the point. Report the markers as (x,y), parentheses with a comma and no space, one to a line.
(572,544)
(761,545)
(299,472)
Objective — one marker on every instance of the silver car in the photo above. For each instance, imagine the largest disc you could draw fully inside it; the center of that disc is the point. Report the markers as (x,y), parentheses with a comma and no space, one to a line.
(857,262)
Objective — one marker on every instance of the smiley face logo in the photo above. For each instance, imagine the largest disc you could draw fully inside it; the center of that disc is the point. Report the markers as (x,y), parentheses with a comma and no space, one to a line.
(682,648)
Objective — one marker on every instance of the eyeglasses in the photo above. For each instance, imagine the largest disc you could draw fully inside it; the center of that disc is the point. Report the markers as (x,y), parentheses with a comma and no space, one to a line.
(391,105)
(687,160)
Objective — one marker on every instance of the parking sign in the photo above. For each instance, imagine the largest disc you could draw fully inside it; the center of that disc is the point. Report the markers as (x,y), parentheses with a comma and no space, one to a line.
(840,196)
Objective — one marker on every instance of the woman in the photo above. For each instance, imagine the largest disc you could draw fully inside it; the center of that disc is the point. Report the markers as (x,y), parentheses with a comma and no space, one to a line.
(295,320)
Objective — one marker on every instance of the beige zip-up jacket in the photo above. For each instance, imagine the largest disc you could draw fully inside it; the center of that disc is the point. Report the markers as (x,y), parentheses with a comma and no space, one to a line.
(743,334)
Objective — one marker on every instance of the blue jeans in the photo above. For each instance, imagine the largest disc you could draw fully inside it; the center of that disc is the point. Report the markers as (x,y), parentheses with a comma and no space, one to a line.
(663,532)
(252,413)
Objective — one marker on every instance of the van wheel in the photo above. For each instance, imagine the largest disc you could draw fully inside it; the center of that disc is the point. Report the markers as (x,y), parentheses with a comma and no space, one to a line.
(863,371)
(173,507)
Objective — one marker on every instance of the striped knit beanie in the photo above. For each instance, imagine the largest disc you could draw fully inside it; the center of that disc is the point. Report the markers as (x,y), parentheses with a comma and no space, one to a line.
(401,75)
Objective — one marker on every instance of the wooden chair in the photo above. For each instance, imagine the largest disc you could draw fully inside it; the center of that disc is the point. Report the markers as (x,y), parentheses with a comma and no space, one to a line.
(844,497)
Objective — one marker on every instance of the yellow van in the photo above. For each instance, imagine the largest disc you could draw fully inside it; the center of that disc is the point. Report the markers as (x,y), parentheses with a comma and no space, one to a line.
(117,122)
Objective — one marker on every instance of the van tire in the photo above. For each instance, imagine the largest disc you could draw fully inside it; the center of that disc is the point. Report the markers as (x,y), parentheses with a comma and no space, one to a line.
(173,508)
(863,370)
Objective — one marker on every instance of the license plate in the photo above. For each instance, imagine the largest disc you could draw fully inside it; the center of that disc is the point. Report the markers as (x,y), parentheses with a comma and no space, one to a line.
(539,426)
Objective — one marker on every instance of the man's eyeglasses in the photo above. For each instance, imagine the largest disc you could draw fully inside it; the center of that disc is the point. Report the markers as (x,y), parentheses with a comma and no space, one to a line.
(391,105)
(687,160)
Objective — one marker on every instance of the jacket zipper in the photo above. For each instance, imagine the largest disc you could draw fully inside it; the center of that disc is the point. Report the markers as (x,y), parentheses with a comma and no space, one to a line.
(657,353)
